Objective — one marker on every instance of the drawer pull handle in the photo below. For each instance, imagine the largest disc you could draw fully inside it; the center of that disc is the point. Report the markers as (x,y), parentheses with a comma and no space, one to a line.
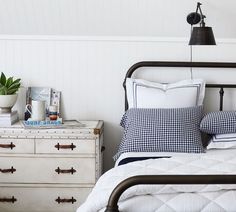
(59,200)
(68,146)
(12,199)
(8,170)
(65,171)
(11,145)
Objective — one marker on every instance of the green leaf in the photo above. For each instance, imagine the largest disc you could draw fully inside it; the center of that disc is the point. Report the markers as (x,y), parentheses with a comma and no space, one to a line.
(3,90)
(13,86)
(3,79)
(9,82)
(8,85)
(16,81)
(12,91)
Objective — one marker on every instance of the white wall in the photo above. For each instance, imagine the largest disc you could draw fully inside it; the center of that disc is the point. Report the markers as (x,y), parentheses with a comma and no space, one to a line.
(90,71)
(113,17)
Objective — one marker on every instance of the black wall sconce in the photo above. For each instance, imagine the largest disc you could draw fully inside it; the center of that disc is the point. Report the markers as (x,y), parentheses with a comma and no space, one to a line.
(202,35)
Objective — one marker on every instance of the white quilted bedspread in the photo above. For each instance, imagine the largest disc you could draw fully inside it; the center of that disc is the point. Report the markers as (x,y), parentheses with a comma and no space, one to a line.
(150,198)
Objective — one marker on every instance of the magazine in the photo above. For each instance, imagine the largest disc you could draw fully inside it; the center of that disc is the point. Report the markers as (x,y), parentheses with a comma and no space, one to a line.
(53,124)
(49,95)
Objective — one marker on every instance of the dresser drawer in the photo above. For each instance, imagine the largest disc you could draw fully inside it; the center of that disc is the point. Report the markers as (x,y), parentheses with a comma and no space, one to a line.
(16,145)
(42,199)
(65,146)
(47,170)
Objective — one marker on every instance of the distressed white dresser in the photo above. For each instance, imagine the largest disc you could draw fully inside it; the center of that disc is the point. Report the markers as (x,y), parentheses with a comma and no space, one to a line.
(49,169)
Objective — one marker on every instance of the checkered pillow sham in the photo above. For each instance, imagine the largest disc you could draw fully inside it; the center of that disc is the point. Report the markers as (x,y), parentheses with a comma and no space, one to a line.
(220,122)
(161,130)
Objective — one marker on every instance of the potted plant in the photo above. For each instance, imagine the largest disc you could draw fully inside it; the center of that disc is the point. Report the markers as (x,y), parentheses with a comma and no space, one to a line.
(8,95)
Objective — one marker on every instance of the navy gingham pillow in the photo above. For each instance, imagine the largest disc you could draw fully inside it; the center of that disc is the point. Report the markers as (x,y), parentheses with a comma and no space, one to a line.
(161,130)
(220,122)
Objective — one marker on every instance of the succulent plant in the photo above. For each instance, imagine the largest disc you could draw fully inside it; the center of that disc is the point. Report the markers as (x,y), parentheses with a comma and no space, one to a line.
(8,86)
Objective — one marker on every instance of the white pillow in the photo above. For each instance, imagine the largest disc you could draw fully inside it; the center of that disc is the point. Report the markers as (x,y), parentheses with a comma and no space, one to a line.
(146,94)
(222,145)
(224,137)
(223,141)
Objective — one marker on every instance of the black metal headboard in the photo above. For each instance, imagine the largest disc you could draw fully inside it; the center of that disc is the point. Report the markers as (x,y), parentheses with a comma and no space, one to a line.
(183,65)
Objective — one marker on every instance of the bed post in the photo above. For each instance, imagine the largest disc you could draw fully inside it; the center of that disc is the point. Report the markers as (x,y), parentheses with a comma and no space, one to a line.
(221,97)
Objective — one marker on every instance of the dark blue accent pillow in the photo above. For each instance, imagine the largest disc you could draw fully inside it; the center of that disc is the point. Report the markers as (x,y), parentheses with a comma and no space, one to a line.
(220,122)
(161,130)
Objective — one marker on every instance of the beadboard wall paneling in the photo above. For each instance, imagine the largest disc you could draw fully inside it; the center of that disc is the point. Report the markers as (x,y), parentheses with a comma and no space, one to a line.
(112,17)
(89,71)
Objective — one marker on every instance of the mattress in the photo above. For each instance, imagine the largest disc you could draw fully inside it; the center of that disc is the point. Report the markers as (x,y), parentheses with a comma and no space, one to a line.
(169,197)
(222,201)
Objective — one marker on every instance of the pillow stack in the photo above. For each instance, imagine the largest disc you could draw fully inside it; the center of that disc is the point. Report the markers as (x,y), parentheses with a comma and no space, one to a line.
(163,117)
(222,126)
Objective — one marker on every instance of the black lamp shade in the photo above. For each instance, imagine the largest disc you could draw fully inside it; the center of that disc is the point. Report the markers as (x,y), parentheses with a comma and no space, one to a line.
(202,36)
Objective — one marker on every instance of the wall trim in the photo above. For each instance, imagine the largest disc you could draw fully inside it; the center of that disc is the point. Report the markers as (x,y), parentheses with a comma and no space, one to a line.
(108,38)
(93,38)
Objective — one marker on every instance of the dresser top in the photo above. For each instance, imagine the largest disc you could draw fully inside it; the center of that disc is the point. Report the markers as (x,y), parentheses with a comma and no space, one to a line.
(87,129)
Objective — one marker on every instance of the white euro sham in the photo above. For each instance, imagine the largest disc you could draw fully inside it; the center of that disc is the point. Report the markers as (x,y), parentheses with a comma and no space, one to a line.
(146,94)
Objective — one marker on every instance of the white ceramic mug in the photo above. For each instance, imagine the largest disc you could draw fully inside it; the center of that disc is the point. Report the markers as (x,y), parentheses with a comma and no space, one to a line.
(38,110)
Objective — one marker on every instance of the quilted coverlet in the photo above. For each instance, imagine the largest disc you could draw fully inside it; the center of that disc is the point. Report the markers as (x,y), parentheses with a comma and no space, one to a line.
(171,198)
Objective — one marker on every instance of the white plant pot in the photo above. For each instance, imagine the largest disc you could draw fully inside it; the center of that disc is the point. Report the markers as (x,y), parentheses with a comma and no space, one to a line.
(7,102)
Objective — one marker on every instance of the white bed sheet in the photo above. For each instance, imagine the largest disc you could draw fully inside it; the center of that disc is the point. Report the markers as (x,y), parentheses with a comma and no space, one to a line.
(169,197)
(171,154)
(150,154)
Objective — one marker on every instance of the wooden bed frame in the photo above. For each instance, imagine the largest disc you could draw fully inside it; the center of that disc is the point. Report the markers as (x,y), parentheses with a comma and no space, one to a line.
(112,205)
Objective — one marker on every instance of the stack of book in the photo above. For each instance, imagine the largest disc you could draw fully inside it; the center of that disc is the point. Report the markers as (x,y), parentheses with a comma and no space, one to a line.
(8,119)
